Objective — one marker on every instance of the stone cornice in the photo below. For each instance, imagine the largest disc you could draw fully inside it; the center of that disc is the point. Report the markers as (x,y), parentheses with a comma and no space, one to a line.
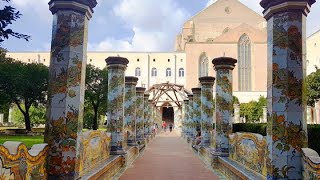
(207,80)
(84,6)
(272,7)
(224,63)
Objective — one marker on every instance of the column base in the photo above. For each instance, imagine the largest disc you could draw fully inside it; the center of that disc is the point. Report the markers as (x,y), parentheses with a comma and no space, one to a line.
(117,151)
(132,143)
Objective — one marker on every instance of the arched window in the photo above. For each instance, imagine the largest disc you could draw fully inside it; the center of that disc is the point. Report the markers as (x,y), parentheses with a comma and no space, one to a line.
(138,71)
(154,72)
(203,65)
(244,63)
(168,72)
(181,72)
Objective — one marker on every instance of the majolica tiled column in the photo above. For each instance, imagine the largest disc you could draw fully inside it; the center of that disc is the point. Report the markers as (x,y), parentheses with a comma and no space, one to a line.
(150,111)
(190,119)
(196,124)
(116,88)
(287,130)
(223,67)
(207,107)
(186,117)
(146,120)
(130,110)
(140,113)
(66,86)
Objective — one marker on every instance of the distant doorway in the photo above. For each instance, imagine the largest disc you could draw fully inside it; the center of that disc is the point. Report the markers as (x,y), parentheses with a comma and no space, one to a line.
(167,113)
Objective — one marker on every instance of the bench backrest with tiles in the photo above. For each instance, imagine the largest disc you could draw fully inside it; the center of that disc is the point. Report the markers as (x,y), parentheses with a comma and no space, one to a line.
(249,150)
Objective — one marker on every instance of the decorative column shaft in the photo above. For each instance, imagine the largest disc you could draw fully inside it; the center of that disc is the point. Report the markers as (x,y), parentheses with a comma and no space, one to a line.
(287,130)
(66,86)
(140,114)
(150,118)
(116,88)
(190,119)
(207,107)
(146,121)
(196,110)
(186,117)
(223,67)
(264,114)
(130,110)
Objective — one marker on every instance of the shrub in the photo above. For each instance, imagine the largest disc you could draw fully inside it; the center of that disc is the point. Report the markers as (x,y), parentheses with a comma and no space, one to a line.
(251,127)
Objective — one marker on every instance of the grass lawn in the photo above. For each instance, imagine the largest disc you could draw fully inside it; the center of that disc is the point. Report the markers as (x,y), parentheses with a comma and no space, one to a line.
(27,140)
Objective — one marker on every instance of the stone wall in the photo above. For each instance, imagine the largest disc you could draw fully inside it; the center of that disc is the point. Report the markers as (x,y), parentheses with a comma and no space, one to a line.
(17,162)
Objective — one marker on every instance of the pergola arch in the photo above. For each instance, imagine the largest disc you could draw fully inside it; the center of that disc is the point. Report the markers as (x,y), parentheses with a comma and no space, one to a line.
(173,94)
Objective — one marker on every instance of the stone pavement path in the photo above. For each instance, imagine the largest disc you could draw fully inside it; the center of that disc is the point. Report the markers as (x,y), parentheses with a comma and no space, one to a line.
(167,157)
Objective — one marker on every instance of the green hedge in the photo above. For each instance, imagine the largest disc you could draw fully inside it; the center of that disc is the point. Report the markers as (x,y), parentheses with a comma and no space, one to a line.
(313,132)
(251,127)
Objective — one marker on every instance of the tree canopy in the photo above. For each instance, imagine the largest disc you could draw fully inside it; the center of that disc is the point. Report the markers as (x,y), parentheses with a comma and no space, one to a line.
(253,110)
(95,95)
(23,84)
(313,87)
(7,16)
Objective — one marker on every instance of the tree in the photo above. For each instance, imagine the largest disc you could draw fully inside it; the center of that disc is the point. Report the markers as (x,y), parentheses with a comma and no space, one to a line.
(7,15)
(95,95)
(253,110)
(313,87)
(24,84)
(37,115)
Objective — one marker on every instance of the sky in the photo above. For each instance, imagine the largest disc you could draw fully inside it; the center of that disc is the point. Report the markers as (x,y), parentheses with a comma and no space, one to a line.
(123,25)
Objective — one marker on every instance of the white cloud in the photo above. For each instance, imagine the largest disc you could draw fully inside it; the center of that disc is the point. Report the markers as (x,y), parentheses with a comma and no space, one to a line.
(210,2)
(154,24)
(40,7)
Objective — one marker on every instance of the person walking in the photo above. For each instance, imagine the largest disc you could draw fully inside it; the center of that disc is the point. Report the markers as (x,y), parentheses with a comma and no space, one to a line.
(170,127)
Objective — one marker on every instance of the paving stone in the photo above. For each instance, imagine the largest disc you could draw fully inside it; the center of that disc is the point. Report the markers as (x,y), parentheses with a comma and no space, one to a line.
(167,157)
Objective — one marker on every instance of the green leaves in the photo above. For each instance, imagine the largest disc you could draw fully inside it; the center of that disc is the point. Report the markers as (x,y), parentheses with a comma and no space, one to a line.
(22,83)
(313,87)
(253,110)
(7,15)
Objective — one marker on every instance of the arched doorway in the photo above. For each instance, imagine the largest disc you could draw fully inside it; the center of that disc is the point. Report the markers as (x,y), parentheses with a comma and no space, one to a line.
(167,113)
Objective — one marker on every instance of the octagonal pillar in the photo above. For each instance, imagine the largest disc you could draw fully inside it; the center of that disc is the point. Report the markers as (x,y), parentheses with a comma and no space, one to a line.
(223,67)
(196,123)
(130,110)
(287,129)
(140,114)
(207,107)
(116,88)
(66,86)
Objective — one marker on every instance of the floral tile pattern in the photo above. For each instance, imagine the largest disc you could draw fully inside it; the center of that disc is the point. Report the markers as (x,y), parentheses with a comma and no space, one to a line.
(286,132)
(116,89)
(140,113)
(66,92)
(207,108)
(196,122)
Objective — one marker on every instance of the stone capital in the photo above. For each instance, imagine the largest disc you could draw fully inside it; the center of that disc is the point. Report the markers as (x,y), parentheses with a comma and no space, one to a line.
(131,80)
(207,80)
(196,90)
(272,7)
(140,89)
(117,61)
(224,63)
(146,95)
(190,96)
(186,101)
(83,6)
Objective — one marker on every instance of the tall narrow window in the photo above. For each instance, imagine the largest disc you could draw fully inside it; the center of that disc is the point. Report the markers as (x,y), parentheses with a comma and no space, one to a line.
(203,65)
(168,72)
(181,72)
(154,72)
(244,63)
(138,71)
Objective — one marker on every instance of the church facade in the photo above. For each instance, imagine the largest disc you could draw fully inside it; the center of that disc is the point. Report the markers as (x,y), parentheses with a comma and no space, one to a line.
(226,28)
